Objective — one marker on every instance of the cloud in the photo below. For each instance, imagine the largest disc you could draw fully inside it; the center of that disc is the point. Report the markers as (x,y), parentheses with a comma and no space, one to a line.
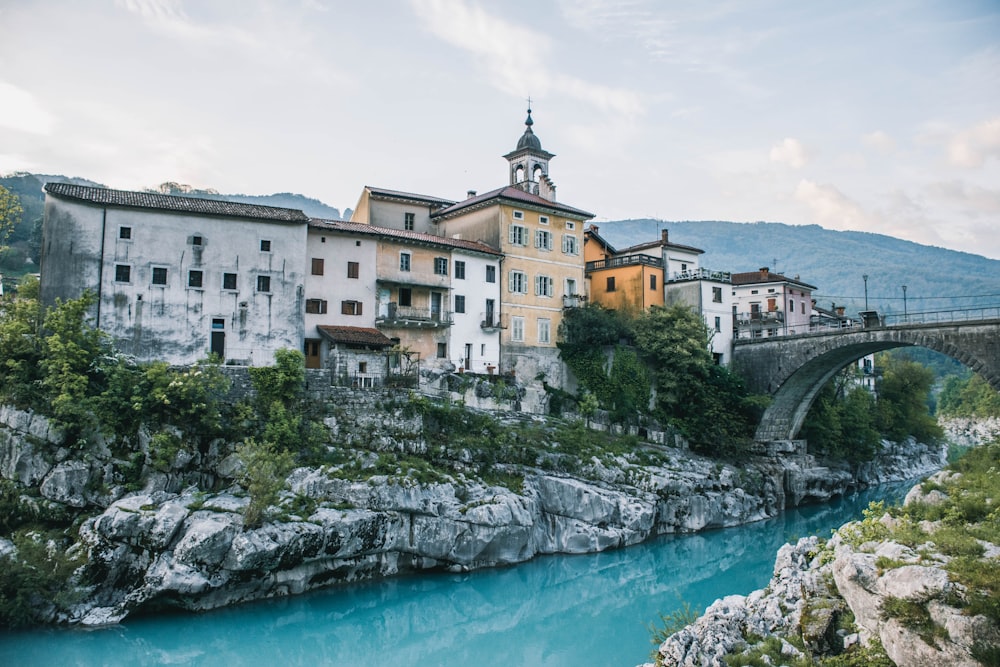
(879,141)
(169,16)
(972,200)
(514,56)
(972,147)
(791,152)
(21,111)
(831,208)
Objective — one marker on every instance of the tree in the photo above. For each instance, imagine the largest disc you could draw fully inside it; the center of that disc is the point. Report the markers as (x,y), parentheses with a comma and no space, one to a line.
(10,213)
(903,400)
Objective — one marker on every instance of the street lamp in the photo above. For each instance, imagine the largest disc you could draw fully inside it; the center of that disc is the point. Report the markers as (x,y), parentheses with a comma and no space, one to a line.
(865,278)
(906,317)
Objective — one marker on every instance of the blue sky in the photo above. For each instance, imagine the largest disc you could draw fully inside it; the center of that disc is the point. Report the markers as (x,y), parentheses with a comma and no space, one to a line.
(874,116)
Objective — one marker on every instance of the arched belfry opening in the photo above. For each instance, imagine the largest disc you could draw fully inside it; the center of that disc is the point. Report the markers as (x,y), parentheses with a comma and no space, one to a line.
(529,164)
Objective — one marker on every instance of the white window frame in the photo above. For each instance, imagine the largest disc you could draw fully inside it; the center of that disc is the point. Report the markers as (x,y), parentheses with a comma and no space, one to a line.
(409,261)
(544,330)
(570,224)
(440,266)
(543,219)
(517,282)
(518,235)
(543,239)
(519,215)
(544,286)
(570,245)
(517,329)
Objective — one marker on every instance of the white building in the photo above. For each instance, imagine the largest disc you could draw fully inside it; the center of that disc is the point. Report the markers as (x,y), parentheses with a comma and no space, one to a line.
(178,278)
(707,291)
(770,304)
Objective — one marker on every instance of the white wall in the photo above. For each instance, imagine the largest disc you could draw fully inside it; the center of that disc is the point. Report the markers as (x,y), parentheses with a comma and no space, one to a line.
(466,330)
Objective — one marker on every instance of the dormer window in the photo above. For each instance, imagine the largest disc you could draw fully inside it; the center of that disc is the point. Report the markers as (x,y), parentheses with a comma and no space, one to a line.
(519,215)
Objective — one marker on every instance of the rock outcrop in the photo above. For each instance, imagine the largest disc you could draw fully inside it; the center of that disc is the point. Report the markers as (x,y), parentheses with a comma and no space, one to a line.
(815,584)
(175,544)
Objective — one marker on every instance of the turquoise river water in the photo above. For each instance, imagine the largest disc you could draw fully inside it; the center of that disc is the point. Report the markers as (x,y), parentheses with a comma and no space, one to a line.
(552,611)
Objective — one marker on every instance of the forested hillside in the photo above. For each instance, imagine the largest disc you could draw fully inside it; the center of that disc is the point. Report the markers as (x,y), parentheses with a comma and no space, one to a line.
(833,261)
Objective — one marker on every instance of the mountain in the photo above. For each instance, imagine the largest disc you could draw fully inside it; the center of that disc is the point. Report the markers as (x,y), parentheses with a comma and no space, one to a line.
(937,279)
(314,208)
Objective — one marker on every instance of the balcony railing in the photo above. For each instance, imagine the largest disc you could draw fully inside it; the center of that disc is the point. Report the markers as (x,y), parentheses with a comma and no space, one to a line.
(491,322)
(701,274)
(760,318)
(408,316)
(625,260)
(574,300)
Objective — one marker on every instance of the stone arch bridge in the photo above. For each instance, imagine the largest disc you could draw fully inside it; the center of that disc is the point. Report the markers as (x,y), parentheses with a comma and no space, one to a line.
(792,369)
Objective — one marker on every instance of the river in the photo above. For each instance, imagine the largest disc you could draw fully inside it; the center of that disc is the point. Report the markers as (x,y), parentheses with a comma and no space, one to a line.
(550,612)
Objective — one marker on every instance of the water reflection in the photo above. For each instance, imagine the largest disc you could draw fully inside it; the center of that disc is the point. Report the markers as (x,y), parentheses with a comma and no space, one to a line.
(554,611)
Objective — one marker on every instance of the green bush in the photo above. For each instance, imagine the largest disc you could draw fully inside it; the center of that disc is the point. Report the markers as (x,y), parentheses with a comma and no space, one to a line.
(265,468)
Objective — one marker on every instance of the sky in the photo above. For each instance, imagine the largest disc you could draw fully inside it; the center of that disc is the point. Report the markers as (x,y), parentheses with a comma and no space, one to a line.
(853,115)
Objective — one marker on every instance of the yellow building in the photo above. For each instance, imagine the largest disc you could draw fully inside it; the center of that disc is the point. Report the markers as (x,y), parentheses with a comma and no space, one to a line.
(541,240)
(629,280)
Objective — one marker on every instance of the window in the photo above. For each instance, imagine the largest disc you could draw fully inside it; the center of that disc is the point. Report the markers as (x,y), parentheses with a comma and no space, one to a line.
(440,266)
(350,307)
(442,350)
(229,281)
(517,329)
(570,287)
(459,270)
(362,366)
(352,269)
(317,266)
(544,330)
(197,240)
(543,239)
(409,219)
(519,215)
(316,306)
(543,285)
(459,303)
(491,273)
(569,245)
(652,281)
(194,278)
(753,291)
(718,324)
(159,275)
(125,233)
(803,307)
(518,235)
(570,224)
(791,306)
(265,245)
(543,220)
(611,284)
(517,282)
(405,296)
(717,295)
(684,268)
(123,273)
(404,261)
(263,283)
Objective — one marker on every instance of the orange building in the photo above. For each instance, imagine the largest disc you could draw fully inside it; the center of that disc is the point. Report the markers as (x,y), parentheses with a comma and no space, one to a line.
(630,280)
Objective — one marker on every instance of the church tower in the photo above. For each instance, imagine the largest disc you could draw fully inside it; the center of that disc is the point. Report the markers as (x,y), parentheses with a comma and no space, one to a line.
(529,164)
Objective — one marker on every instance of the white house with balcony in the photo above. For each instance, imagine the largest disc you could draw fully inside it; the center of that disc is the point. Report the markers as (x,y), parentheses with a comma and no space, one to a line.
(770,304)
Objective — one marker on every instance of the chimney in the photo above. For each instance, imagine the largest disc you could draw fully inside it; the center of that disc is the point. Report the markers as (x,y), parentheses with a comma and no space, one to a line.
(764,270)
(471,194)
(840,311)
(833,306)
(664,237)
(593,228)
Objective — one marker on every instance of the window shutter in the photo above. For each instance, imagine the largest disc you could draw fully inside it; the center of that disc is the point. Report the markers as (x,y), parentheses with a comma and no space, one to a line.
(538,284)
(510,235)
(510,281)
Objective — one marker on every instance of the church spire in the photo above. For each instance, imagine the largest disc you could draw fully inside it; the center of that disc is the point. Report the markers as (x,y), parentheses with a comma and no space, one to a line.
(529,164)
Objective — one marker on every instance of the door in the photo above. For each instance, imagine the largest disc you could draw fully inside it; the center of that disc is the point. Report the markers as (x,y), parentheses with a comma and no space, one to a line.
(312,352)
(490,306)
(468,356)
(218,342)
(436,306)
(383,302)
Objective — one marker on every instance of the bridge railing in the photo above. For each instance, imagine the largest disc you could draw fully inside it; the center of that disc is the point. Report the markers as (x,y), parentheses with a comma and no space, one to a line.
(942,316)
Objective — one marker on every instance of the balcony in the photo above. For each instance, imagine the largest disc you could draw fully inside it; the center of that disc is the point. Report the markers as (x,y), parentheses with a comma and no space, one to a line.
(408,317)
(492,322)
(701,274)
(625,260)
(574,301)
(758,318)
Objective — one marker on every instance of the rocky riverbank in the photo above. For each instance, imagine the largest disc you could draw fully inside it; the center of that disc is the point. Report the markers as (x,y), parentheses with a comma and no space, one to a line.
(864,597)
(180,541)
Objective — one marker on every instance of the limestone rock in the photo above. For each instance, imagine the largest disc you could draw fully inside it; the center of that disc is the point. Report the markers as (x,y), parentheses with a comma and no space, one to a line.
(67,483)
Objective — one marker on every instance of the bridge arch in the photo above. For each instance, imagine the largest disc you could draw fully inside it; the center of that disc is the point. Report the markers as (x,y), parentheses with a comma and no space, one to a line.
(793,369)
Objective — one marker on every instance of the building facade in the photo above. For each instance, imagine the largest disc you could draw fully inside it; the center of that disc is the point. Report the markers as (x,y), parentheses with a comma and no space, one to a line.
(177,278)
(629,280)
(770,304)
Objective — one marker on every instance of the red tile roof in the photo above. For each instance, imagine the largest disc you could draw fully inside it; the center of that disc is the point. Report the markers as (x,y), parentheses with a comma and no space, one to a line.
(402,235)
(153,200)
(385,193)
(765,276)
(511,195)
(355,336)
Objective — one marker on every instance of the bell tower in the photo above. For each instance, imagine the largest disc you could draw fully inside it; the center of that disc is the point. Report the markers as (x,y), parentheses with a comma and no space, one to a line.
(529,164)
